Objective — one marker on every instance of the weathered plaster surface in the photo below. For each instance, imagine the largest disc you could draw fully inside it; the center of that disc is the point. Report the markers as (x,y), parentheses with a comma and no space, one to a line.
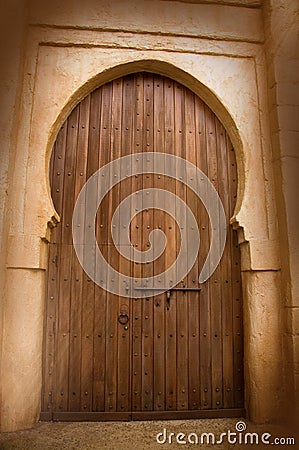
(222,22)
(12,27)
(217,52)
(220,74)
(282,44)
(22,341)
(262,326)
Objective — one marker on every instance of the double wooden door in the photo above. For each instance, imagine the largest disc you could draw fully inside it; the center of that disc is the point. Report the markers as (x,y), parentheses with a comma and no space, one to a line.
(174,355)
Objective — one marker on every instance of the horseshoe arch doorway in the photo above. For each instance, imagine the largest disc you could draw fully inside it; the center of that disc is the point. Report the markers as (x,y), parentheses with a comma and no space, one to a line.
(176,354)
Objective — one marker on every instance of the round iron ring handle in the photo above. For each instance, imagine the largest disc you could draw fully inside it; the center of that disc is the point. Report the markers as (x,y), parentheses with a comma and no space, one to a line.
(123,318)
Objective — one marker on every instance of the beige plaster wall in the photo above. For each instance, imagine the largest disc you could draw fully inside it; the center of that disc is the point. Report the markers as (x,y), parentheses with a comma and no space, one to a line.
(262,328)
(12,30)
(217,51)
(152,16)
(282,46)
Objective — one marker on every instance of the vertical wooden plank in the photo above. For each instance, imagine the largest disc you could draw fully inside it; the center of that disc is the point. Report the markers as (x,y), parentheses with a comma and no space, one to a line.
(69,177)
(237,310)
(171,313)
(238,328)
(64,261)
(57,177)
(89,335)
(49,364)
(225,267)
(202,398)
(49,329)
(77,273)
(101,396)
(215,280)
(99,337)
(147,273)
(192,277)
(119,376)
(99,356)
(75,335)
(181,144)
(205,299)
(159,265)
(125,266)
(62,361)
(88,288)
(136,239)
(112,300)
(123,304)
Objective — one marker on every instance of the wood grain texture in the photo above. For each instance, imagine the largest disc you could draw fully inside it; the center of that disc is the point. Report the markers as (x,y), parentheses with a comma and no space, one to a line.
(174,358)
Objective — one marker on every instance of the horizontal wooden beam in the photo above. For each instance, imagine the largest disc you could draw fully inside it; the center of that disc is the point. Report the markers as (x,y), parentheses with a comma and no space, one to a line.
(67,416)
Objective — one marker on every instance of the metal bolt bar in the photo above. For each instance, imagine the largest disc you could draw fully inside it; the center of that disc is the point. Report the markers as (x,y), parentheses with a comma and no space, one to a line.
(167,289)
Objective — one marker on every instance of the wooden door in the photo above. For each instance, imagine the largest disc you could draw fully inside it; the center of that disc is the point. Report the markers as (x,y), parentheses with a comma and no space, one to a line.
(174,355)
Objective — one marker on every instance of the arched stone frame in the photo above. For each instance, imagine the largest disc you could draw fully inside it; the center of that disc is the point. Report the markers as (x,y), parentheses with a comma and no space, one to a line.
(177,74)
(260,285)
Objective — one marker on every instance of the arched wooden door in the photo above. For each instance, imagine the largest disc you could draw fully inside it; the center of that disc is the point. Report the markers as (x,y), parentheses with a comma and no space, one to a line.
(175,355)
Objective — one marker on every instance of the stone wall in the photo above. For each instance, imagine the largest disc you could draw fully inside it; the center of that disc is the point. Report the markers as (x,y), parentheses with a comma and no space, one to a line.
(282,50)
(12,32)
(64,50)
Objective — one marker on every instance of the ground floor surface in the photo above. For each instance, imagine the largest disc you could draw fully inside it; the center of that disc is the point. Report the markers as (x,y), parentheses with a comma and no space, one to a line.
(145,435)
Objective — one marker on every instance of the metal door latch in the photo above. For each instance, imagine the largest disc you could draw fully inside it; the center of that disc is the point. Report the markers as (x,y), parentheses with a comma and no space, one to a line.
(168,291)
